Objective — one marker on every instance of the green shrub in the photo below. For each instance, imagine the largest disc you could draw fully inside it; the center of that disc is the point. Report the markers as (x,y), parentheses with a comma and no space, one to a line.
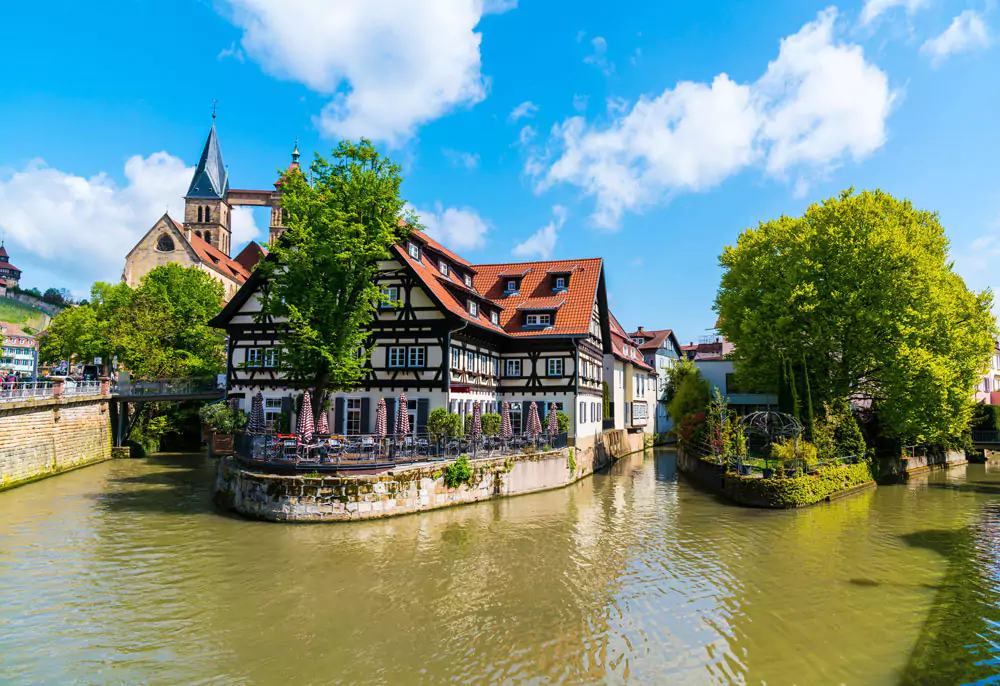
(985,418)
(788,449)
(571,461)
(223,418)
(801,490)
(562,420)
(491,424)
(441,424)
(457,473)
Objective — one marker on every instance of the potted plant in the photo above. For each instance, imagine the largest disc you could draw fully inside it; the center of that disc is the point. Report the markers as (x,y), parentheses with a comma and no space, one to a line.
(223,422)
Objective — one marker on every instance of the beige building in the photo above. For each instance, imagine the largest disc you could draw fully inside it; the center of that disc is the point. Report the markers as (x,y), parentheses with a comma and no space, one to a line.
(204,240)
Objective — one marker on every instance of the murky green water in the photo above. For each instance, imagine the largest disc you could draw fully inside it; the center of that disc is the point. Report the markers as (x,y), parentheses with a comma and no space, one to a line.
(124,573)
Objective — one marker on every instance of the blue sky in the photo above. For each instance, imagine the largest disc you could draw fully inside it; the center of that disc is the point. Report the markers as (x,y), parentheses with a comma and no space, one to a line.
(647,133)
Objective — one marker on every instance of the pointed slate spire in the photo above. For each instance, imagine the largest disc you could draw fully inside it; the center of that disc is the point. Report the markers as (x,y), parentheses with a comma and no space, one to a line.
(211,180)
(295,152)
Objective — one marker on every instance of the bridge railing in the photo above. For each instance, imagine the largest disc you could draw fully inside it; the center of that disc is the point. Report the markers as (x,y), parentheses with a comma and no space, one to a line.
(12,391)
(78,388)
(159,387)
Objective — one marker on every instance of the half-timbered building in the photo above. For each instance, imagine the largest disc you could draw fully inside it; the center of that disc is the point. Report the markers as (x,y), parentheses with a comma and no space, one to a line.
(452,334)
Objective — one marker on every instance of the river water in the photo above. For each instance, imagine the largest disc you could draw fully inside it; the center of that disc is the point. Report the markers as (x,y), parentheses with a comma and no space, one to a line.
(125,573)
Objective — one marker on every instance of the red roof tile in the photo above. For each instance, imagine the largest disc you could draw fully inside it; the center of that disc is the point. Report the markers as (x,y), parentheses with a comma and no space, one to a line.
(213,257)
(654,339)
(422,237)
(620,340)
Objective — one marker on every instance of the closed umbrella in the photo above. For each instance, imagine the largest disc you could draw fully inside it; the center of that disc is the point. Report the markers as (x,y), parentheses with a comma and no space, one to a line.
(553,428)
(305,424)
(477,422)
(506,430)
(255,425)
(381,421)
(534,428)
(322,424)
(402,417)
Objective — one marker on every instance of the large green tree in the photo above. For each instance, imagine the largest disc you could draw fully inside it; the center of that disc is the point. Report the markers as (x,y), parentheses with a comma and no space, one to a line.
(321,276)
(159,329)
(860,297)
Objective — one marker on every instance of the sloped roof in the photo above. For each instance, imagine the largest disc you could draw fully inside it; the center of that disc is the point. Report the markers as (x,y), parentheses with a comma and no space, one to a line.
(572,308)
(210,179)
(623,347)
(212,256)
(654,338)
(251,256)
(422,237)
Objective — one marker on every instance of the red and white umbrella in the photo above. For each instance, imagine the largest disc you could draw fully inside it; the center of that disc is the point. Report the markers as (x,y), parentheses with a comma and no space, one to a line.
(305,423)
(477,422)
(402,416)
(381,421)
(534,428)
(322,424)
(553,428)
(256,423)
(506,430)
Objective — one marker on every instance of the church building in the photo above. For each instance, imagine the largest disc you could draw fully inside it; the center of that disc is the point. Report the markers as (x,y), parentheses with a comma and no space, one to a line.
(204,239)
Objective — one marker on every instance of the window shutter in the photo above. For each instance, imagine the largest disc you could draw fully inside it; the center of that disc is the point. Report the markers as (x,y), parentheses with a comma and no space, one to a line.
(365,425)
(338,416)
(422,409)
(390,416)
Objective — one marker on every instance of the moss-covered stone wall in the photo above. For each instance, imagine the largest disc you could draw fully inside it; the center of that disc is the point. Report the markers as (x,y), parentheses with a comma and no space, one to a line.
(403,490)
(40,438)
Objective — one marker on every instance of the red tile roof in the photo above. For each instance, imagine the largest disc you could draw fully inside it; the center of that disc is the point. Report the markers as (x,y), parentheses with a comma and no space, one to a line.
(251,256)
(623,347)
(654,339)
(213,257)
(572,308)
(422,237)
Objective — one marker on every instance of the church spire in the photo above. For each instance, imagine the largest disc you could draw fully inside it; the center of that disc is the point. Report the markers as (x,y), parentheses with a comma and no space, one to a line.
(295,152)
(211,179)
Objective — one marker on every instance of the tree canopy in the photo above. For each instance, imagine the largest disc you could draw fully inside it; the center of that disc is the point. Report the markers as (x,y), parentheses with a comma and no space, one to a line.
(159,329)
(859,300)
(321,276)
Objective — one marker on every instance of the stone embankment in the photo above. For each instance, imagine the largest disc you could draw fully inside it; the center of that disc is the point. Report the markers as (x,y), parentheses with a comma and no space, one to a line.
(41,437)
(406,489)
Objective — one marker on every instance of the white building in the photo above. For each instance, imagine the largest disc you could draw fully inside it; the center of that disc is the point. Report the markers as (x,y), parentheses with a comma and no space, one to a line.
(660,350)
(20,351)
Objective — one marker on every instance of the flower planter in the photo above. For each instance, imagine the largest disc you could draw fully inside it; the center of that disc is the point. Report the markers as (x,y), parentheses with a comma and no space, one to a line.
(222,444)
(768,473)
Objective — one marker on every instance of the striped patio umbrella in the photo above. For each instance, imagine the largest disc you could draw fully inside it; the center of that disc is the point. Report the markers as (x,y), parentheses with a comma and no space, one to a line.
(553,428)
(305,423)
(477,422)
(534,428)
(402,417)
(322,424)
(381,421)
(255,425)
(506,430)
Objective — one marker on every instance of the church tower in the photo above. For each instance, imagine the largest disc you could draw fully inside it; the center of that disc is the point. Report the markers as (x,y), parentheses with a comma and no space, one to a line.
(207,212)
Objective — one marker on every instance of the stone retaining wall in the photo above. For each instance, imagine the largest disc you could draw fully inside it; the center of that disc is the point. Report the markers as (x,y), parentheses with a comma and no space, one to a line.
(404,490)
(39,438)
(900,469)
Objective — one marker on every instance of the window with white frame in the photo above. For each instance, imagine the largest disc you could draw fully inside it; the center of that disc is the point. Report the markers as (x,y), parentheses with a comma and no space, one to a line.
(456,358)
(538,319)
(417,356)
(390,296)
(513,368)
(473,308)
(443,267)
(255,357)
(353,418)
(560,282)
(397,356)
(468,280)
(270,358)
(583,410)
(513,285)
(414,250)
(554,367)
(272,408)
(495,317)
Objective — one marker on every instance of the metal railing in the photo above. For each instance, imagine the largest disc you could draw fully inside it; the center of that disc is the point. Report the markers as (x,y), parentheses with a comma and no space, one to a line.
(986,436)
(285,452)
(78,388)
(12,391)
(768,467)
(155,387)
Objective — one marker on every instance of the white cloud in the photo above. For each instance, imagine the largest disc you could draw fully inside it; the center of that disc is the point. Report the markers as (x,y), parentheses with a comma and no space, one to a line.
(966,33)
(580,102)
(457,158)
(599,57)
(818,102)
(244,228)
(543,242)
(232,51)
(498,6)
(457,228)
(388,66)
(82,227)
(873,9)
(526,135)
(525,109)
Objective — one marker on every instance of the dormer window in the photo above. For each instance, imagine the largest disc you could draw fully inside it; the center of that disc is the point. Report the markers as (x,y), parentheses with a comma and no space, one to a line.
(443,267)
(495,317)
(538,319)
(414,250)
(513,286)
(560,283)
(473,308)
(468,280)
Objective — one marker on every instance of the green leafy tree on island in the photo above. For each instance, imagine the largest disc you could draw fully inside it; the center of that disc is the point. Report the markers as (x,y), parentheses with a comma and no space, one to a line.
(858,299)
(320,277)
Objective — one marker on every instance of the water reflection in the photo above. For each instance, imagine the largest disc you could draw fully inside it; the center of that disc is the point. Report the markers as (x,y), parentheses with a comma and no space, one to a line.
(124,573)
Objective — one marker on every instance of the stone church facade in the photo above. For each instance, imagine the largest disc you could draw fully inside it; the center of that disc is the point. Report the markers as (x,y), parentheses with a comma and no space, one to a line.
(204,239)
